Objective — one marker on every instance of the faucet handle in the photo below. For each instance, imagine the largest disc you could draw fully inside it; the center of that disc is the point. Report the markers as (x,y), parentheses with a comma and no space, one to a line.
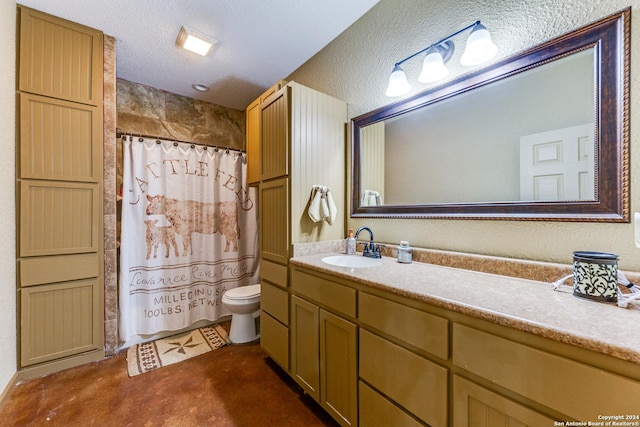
(365,248)
(376,250)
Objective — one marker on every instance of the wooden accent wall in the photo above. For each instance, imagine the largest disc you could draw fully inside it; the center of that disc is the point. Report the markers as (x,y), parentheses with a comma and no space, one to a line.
(318,135)
(372,159)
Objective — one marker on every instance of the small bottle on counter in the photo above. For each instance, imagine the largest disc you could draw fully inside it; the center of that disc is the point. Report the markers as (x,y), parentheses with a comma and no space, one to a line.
(404,252)
(351,243)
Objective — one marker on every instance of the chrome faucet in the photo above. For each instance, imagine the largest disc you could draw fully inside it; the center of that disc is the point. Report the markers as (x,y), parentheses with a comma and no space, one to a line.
(371,249)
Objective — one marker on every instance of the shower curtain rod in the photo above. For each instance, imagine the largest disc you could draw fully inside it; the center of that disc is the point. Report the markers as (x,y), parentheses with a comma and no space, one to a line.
(120,133)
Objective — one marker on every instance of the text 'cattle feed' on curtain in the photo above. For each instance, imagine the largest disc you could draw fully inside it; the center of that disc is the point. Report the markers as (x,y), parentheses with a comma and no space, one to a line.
(189,233)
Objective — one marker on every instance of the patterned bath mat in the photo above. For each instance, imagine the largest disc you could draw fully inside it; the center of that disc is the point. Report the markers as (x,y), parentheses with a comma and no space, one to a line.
(146,357)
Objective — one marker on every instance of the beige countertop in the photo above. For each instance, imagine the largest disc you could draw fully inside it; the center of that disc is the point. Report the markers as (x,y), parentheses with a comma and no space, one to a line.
(526,305)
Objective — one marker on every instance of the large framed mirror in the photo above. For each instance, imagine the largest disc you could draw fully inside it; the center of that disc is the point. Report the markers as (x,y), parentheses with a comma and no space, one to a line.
(542,135)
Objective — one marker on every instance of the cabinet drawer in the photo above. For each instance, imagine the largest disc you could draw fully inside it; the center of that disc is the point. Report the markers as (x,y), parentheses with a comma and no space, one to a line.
(333,295)
(54,269)
(273,273)
(274,339)
(274,301)
(577,390)
(415,383)
(472,403)
(375,410)
(423,330)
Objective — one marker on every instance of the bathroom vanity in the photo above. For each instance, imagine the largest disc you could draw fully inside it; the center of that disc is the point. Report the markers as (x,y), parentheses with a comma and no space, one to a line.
(418,344)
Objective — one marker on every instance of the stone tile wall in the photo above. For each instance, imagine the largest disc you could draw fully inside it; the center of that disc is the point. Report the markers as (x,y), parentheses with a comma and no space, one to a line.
(109,199)
(149,111)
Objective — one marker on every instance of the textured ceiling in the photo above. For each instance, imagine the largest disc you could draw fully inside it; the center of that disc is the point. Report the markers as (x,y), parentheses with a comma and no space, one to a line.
(260,41)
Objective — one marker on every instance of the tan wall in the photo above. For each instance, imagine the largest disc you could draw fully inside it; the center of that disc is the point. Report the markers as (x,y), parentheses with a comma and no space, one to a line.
(355,67)
(8,336)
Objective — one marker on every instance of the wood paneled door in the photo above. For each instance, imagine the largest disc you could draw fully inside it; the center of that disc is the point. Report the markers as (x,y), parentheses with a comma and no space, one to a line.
(59,188)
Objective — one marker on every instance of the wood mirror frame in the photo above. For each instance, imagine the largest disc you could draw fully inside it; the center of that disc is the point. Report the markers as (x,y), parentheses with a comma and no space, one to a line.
(610,37)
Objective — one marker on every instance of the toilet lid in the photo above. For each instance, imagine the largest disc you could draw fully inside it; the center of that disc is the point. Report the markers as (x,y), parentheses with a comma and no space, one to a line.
(243,292)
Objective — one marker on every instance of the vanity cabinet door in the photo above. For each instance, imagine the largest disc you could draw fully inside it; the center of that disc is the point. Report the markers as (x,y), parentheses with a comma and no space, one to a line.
(338,368)
(305,342)
(324,359)
(475,406)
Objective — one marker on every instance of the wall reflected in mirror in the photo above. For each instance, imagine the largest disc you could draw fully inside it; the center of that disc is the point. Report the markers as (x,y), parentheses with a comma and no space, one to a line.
(528,137)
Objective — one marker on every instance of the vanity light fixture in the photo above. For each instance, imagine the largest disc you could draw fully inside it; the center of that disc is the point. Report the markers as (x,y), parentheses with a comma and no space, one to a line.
(479,49)
(195,41)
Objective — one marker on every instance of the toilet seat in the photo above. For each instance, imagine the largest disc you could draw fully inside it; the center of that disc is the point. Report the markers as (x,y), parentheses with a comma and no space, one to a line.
(243,292)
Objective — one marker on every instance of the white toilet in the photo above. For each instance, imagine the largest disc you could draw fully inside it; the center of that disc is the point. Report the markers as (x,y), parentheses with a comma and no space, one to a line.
(244,304)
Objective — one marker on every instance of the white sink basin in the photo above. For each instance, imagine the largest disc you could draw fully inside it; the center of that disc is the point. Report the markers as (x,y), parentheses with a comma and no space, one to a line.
(352,261)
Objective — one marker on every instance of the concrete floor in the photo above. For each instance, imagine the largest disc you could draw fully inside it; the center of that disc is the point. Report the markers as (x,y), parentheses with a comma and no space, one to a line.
(236,385)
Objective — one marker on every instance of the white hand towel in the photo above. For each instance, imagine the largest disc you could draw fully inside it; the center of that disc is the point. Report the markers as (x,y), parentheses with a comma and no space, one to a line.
(372,198)
(314,205)
(333,210)
(369,198)
(324,204)
(365,198)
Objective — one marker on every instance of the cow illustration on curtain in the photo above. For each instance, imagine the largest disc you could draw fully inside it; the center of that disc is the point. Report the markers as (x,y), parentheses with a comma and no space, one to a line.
(191,216)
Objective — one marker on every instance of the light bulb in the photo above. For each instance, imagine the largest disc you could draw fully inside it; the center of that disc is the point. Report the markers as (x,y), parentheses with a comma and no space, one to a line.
(479,47)
(398,84)
(433,68)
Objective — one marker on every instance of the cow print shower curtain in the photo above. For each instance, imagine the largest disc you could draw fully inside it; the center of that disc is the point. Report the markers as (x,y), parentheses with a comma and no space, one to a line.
(189,233)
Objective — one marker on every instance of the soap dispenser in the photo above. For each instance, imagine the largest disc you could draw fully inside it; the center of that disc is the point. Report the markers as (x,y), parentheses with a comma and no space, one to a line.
(404,252)
(351,243)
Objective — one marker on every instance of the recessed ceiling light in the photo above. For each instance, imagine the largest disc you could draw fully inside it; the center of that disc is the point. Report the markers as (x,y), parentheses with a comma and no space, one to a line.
(195,41)
(200,87)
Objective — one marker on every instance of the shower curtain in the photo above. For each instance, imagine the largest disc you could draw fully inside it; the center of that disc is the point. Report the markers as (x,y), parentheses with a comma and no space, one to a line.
(189,233)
